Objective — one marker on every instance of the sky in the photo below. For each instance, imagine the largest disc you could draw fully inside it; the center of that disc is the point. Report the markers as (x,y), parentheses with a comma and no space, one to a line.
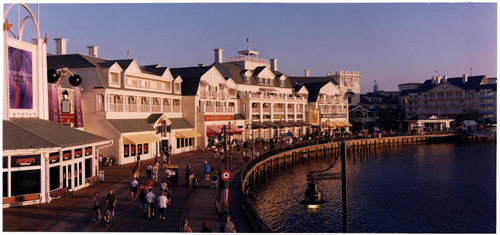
(391,43)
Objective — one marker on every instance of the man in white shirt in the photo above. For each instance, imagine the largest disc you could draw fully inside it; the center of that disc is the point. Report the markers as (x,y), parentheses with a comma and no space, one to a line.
(162,204)
(150,201)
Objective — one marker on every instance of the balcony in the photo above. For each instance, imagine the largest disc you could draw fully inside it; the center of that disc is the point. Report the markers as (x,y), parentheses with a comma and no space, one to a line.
(131,107)
(176,109)
(289,110)
(255,110)
(167,108)
(279,110)
(266,110)
(115,107)
(100,107)
(156,108)
(144,108)
(299,110)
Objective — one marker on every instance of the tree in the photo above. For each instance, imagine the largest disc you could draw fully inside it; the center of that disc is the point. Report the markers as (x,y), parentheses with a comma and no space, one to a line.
(389,119)
(468,114)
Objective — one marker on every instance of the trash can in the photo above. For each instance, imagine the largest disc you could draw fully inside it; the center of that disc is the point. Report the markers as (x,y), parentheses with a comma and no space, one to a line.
(101,175)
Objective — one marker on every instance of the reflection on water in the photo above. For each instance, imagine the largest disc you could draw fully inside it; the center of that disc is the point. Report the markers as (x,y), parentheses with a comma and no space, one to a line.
(441,188)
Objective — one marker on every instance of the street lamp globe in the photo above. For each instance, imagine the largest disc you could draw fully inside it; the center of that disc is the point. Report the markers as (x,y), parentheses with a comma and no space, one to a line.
(313,202)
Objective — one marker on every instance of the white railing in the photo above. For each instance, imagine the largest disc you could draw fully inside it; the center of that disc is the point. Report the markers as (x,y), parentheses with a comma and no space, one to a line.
(247,58)
(253,95)
(115,107)
(100,107)
(131,107)
(144,108)
(203,94)
(266,110)
(228,109)
(299,110)
(167,108)
(255,110)
(342,73)
(279,110)
(176,109)
(219,109)
(114,83)
(156,108)
(290,110)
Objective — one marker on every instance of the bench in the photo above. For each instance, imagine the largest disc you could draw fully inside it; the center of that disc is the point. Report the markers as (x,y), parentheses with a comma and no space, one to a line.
(93,180)
(221,208)
(22,199)
(62,192)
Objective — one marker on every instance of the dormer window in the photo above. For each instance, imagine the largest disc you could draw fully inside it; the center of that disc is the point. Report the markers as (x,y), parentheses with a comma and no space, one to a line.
(282,83)
(247,79)
(114,79)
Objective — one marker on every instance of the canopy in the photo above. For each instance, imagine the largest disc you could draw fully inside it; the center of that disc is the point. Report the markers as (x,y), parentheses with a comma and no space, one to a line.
(346,123)
(469,123)
(233,130)
(338,124)
(284,124)
(304,123)
(296,123)
(222,84)
(205,83)
(187,134)
(289,134)
(140,138)
(257,124)
(213,130)
(329,124)
(271,124)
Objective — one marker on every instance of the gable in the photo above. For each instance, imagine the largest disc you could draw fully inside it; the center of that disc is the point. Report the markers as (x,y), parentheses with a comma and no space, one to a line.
(303,90)
(265,73)
(330,89)
(231,84)
(167,75)
(133,68)
(213,77)
(115,68)
(443,87)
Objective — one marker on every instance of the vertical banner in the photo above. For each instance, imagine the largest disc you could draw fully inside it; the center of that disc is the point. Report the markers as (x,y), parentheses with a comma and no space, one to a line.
(146,148)
(164,128)
(132,150)
(139,149)
(20,79)
(78,108)
(125,151)
(53,103)
(314,117)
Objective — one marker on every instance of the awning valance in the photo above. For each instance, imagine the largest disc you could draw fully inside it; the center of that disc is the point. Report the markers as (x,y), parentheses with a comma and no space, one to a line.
(296,123)
(338,124)
(140,138)
(328,124)
(205,83)
(304,123)
(346,123)
(213,130)
(271,124)
(187,134)
(284,124)
(257,125)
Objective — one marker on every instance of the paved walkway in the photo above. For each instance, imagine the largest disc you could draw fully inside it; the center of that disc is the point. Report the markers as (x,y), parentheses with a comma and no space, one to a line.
(195,204)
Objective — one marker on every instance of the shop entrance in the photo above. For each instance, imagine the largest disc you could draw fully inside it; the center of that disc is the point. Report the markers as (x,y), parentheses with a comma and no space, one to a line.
(72,175)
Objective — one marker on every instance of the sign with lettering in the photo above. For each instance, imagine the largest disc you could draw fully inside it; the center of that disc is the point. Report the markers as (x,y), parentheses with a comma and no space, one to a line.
(218,117)
(88,151)
(329,115)
(78,153)
(314,117)
(67,118)
(54,157)
(66,155)
(21,161)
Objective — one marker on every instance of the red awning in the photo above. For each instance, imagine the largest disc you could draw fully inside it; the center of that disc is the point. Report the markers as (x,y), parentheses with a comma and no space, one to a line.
(233,130)
(213,130)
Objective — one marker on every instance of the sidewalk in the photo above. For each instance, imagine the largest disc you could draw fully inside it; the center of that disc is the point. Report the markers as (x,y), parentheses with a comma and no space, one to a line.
(195,204)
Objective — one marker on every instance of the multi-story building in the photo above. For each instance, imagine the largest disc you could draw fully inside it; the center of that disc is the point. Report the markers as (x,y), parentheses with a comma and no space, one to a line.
(449,96)
(138,107)
(40,154)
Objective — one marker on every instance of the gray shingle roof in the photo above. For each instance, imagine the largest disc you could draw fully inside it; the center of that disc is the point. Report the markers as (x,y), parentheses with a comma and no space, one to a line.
(130,125)
(191,77)
(179,123)
(29,133)
(154,117)
(300,80)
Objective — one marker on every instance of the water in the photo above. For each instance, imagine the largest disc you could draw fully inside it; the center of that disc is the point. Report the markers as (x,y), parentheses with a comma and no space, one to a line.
(440,188)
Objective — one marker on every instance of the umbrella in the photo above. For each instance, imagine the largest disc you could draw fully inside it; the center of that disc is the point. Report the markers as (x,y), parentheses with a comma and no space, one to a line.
(288,134)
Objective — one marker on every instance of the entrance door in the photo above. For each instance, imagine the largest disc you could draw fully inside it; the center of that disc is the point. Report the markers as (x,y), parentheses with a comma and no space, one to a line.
(164,145)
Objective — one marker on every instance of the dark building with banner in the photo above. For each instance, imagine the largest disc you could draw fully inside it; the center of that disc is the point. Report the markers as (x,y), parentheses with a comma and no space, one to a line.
(40,154)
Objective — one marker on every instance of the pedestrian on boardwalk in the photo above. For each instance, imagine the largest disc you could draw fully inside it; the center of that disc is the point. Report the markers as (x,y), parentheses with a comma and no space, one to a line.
(97,205)
(169,196)
(205,228)
(155,172)
(136,172)
(164,160)
(150,200)
(162,204)
(149,185)
(111,159)
(228,226)
(100,160)
(143,201)
(215,153)
(133,189)
(187,174)
(206,170)
(111,200)
(185,228)
(164,186)
(191,177)
(141,187)
(138,160)
(148,170)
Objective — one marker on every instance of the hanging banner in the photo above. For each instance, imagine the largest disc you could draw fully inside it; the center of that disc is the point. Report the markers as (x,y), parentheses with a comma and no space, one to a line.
(139,149)
(78,108)
(20,79)
(132,150)
(146,148)
(53,103)
(66,155)
(314,117)
(125,151)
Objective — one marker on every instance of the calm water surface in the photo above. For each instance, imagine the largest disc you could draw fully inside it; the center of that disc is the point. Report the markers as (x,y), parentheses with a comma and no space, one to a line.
(440,188)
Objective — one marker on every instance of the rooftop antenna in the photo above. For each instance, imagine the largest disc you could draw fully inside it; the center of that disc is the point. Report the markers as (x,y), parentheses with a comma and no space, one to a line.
(248,45)
(128,54)
(437,72)
(471,71)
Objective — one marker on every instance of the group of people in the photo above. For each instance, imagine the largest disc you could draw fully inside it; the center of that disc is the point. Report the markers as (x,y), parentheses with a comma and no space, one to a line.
(106,161)
(110,208)
(226,227)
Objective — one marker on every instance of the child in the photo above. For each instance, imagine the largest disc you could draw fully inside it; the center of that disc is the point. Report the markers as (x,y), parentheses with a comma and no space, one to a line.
(169,196)
(164,186)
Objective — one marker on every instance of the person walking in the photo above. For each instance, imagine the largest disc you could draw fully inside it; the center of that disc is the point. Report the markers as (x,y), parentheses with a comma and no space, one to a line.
(111,200)
(138,160)
(191,177)
(164,186)
(148,170)
(143,201)
(150,201)
(136,172)
(164,160)
(206,170)
(205,228)
(97,205)
(162,204)
(185,228)
(133,189)
(187,174)
(228,226)
(155,172)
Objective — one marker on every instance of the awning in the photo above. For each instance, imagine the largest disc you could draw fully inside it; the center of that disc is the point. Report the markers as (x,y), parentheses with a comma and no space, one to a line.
(205,83)
(141,138)
(284,124)
(223,84)
(267,89)
(304,123)
(187,134)
(258,125)
(213,130)
(296,123)
(271,124)
(329,125)
(346,123)
(233,130)
(338,124)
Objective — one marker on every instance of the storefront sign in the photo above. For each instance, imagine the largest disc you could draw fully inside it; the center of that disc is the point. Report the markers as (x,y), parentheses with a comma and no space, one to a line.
(314,117)
(88,151)
(125,151)
(66,155)
(78,153)
(279,116)
(54,157)
(329,115)
(20,79)
(132,150)
(30,160)
(139,149)
(146,148)
(218,117)
(67,118)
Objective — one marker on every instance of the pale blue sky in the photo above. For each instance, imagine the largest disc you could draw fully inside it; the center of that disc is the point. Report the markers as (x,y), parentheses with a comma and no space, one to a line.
(392,43)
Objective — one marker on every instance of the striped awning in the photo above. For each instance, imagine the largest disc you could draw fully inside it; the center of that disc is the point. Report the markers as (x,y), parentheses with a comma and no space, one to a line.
(328,124)
(140,138)
(232,129)
(338,124)
(187,134)
(213,130)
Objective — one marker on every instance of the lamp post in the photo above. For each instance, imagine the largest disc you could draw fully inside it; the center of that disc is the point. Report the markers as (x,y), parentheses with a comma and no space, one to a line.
(249,127)
(313,198)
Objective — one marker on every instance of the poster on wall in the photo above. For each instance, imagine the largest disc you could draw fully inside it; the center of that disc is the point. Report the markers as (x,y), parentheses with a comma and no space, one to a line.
(66,155)
(125,151)
(88,151)
(78,153)
(139,149)
(132,150)
(314,117)
(20,79)
(146,148)
(54,157)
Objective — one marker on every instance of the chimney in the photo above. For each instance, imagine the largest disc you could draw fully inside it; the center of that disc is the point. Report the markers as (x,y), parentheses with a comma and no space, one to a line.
(464,78)
(445,78)
(307,72)
(434,79)
(201,65)
(438,79)
(60,46)
(218,55)
(274,64)
(93,50)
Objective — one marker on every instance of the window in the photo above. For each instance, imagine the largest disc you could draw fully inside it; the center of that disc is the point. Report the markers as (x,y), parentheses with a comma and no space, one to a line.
(5,184)
(190,141)
(114,79)
(247,79)
(282,83)
(25,182)
(178,143)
